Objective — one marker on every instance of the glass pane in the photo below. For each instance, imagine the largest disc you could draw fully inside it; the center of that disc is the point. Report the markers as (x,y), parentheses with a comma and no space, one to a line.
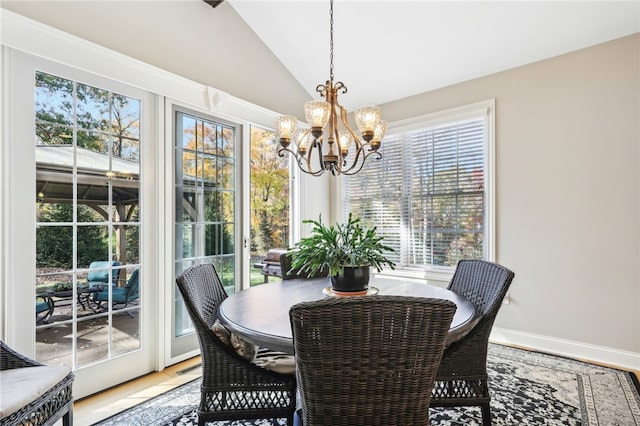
(92,142)
(132,244)
(53,134)
(129,150)
(225,265)
(183,320)
(92,341)
(189,170)
(212,240)
(226,137)
(209,171)
(186,239)
(209,138)
(90,214)
(125,113)
(182,266)
(126,331)
(212,206)
(189,133)
(93,199)
(54,292)
(54,246)
(185,204)
(126,243)
(53,345)
(93,244)
(92,108)
(228,246)
(227,205)
(53,99)
(226,173)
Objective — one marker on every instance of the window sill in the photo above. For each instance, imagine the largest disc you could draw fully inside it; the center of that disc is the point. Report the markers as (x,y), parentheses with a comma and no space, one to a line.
(432,276)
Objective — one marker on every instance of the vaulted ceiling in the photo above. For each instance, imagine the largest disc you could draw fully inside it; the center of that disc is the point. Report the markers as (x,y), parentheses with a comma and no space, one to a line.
(387,50)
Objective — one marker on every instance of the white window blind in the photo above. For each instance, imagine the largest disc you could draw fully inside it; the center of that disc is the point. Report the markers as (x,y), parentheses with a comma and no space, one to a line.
(427,194)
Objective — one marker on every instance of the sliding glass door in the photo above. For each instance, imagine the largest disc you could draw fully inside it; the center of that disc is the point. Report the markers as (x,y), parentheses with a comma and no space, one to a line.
(77,279)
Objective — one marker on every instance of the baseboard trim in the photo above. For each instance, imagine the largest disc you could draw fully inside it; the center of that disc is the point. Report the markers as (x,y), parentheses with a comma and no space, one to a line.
(571,349)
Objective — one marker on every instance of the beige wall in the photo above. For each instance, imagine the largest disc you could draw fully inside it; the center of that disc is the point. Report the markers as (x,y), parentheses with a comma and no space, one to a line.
(567,139)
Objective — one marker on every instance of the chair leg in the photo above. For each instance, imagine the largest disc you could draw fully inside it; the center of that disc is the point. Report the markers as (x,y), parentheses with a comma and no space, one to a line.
(486,414)
(67,419)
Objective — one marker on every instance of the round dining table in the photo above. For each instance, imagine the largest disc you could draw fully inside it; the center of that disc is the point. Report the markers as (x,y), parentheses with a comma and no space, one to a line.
(260,314)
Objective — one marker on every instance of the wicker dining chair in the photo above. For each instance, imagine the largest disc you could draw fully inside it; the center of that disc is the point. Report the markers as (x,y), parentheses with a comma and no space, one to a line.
(365,360)
(232,387)
(462,376)
(291,274)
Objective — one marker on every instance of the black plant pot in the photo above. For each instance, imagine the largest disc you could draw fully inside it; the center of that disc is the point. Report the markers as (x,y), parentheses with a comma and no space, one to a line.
(352,279)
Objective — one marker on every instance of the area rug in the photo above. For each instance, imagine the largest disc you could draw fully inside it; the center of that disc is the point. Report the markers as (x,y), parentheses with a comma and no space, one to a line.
(527,388)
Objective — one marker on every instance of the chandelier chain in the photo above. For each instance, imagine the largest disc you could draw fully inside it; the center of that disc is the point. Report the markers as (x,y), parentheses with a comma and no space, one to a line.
(331,40)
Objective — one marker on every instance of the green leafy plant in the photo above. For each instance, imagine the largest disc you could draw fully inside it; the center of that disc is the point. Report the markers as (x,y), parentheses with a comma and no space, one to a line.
(332,247)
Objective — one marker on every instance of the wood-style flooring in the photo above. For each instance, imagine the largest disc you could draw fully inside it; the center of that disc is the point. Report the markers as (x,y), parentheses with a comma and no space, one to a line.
(98,407)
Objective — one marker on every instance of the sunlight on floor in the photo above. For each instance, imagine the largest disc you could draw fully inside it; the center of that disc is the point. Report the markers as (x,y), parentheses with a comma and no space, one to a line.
(111,401)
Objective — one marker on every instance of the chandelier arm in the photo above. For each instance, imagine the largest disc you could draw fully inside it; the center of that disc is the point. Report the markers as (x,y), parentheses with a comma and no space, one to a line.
(349,172)
(322,89)
(358,161)
(318,143)
(282,150)
(345,123)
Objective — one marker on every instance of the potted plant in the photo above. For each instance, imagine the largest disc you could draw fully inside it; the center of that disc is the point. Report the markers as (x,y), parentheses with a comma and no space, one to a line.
(346,250)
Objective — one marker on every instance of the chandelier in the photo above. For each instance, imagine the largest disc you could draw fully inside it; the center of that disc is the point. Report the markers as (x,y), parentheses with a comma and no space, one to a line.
(329,143)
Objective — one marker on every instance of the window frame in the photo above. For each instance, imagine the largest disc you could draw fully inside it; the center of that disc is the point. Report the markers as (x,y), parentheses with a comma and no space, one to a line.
(403,127)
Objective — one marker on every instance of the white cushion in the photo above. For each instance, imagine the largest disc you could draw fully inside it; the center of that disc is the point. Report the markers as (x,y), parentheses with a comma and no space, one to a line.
(21,386)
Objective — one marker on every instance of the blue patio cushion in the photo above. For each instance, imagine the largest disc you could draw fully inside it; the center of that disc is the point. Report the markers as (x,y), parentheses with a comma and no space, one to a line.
(119,295)
(99,272)
(41,307)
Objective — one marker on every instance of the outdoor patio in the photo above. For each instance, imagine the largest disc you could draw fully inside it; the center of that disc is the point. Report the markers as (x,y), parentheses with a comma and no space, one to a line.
(54,339)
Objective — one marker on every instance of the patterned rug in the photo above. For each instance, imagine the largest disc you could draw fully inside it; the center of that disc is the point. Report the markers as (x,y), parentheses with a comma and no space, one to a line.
(527,388)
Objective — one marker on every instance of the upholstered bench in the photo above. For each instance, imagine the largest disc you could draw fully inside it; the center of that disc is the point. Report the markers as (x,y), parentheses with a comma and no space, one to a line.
(32,393)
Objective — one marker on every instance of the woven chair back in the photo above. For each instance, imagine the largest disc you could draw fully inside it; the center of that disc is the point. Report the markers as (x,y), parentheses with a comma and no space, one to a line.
(368,360)
(483,283)
(203,292)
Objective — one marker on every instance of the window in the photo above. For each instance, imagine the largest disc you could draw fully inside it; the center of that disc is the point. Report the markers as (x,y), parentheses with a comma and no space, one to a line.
(430,194)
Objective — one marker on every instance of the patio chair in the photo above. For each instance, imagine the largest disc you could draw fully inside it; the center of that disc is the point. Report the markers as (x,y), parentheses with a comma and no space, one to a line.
(232,388)
(44,308)
(366,360)
(462,376)
(119,295)
(99,273)
(32,393)
(289,274)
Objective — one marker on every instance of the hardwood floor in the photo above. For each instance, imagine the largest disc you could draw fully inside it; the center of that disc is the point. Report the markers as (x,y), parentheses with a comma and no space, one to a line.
(111,401)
